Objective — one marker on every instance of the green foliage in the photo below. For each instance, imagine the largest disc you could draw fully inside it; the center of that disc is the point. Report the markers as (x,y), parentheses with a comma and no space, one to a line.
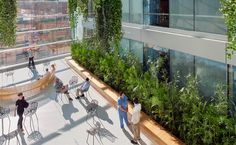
(8,13)
(108,15)
(228,8)
(191,117)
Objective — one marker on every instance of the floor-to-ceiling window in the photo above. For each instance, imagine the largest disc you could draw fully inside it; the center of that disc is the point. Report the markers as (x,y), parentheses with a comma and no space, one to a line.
(208,18)
(210,74)
(193,15)
(156,12)
(136,11)
(182,14)
(181,66)
(234,82)
(125,11)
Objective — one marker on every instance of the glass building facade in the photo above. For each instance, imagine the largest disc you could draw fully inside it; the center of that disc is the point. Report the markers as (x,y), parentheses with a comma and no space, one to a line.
(42,25)
(182,65)
(194,15)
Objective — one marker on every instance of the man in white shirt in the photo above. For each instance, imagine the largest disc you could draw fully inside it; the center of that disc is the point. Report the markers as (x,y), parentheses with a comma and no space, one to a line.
(135,121)
(84,88)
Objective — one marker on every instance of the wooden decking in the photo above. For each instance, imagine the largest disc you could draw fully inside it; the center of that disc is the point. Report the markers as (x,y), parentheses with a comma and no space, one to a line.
(157,134)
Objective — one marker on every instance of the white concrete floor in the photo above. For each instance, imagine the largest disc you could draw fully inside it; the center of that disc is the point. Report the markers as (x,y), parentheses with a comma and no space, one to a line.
(61,122)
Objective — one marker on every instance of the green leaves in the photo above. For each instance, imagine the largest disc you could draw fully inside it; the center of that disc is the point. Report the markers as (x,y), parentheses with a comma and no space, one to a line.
(228,8)
(182,111)
(8,13)
(108,15)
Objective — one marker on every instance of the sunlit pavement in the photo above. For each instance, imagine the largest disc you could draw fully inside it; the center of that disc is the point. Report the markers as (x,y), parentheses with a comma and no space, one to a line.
(61,122)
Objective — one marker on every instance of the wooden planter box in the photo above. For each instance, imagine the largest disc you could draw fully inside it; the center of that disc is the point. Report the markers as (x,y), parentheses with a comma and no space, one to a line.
(156,133)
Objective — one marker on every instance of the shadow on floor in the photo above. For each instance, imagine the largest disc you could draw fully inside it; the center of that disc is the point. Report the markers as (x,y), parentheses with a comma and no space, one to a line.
(101,111)
(107,134)
(68,110)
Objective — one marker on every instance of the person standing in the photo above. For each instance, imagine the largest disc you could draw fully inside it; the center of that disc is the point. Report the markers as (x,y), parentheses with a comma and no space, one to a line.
(31,58)
(135,121)
(123,109)
(21,104)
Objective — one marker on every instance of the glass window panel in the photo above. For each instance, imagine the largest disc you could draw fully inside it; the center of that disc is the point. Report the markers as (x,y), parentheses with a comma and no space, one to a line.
(233,80)
(136,48)
(181,14)
(208,17)
(136,11)
(182,65)
(125,10)
(209,73)
(124,47)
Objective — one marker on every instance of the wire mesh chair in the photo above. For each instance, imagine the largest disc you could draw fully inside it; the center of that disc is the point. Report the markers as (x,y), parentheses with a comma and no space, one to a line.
(30,112)
(93,131)
(10,74)
(73,81)
(4,113)
(11,135)
(91,109)
(3,139)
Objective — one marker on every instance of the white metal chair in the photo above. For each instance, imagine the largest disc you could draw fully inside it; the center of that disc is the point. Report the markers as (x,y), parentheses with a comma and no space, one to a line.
(11,135)
(10,74)
(29,112)
(4,113)
(73,81)
(93,131)
(3,139)
(91,109)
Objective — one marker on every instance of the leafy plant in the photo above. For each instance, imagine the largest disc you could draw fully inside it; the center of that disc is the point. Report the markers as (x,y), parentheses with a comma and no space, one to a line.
(8,13)
(228,8)
(108,19)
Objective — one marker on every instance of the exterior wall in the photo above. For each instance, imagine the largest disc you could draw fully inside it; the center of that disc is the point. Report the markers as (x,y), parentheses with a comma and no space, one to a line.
(191,31)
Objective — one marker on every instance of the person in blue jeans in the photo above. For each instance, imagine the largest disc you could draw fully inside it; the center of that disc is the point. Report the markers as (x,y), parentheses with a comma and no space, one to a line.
(123,109)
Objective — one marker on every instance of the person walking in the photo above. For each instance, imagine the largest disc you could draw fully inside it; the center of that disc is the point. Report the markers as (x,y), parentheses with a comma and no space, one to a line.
(135,121)
(21,104)
(31,58)
(123,109)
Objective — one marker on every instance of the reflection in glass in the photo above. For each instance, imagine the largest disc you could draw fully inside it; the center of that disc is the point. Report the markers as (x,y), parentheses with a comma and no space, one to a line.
(182,65)
(136,48)
(125,10)
(209,73)
(136,11)
(181,14)
(208,17)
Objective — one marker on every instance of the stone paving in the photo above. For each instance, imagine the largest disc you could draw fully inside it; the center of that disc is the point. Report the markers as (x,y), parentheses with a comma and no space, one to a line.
(61,122)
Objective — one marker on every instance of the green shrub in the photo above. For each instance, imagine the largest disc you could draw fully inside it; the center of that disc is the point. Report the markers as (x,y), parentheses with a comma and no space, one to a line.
(182,111)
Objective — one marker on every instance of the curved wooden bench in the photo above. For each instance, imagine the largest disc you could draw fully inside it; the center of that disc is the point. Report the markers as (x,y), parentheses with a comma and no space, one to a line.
(29,89)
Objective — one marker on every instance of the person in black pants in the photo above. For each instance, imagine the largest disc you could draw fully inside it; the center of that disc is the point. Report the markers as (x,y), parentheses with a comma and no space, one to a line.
(31,58)
(21,104)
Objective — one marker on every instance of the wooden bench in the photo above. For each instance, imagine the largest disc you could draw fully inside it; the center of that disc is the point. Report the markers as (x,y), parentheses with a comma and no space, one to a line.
(29,89)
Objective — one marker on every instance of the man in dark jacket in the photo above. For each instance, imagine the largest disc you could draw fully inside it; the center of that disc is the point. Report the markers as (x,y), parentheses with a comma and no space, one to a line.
(21,104)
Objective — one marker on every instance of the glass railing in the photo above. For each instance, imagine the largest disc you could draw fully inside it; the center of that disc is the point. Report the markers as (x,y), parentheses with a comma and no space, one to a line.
(20,55)
(201,23)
